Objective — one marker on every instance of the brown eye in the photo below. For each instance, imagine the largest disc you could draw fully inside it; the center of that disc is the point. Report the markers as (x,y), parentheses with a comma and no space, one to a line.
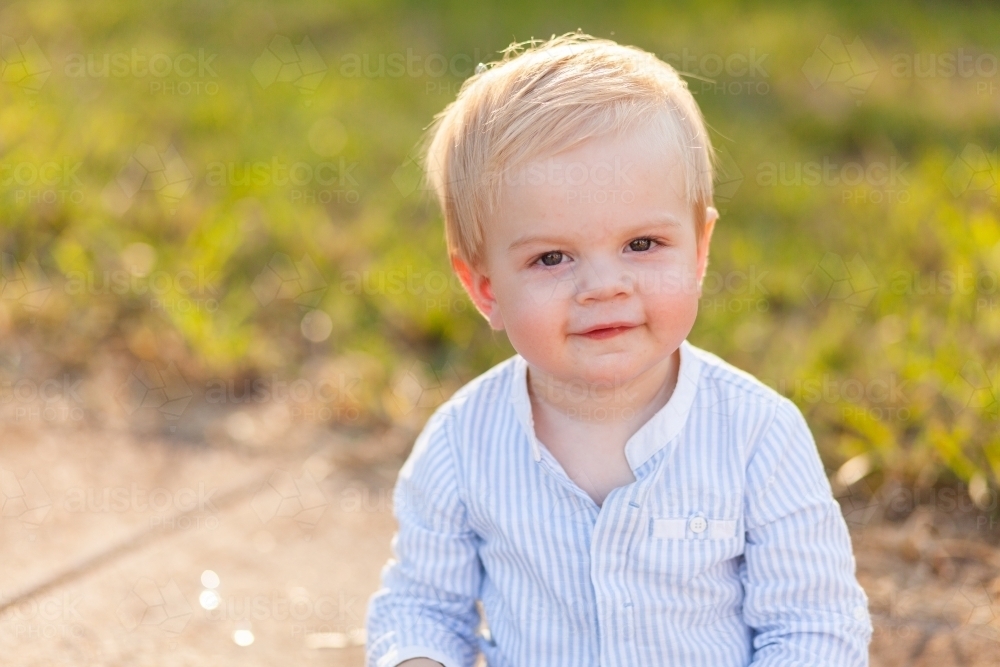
(640,244)
(555,256)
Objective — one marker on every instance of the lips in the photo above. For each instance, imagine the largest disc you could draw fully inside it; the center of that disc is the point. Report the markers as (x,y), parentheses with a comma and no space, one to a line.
(602,331)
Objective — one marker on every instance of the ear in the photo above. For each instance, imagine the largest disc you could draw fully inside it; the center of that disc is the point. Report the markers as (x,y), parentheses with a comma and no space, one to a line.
(480,291)
(711,215)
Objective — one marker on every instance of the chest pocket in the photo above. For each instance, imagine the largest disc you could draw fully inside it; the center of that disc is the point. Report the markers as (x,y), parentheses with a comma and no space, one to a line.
(692,565)
(697,527)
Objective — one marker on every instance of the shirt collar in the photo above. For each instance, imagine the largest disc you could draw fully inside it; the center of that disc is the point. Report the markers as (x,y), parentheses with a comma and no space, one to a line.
(652,436)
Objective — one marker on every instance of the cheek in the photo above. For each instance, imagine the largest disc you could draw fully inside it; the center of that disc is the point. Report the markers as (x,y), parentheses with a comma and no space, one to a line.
(672,318)
(531,306)
(540,296)
(671,296)
(675,284)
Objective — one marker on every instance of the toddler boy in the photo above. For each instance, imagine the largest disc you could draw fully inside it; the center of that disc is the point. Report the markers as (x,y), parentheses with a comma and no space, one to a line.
(612,494)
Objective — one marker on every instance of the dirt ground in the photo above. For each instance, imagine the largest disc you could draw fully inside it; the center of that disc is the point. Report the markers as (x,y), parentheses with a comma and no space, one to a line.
(120,548)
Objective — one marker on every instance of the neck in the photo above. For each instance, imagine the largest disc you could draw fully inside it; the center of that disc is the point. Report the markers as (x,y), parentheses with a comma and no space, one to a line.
(634,401)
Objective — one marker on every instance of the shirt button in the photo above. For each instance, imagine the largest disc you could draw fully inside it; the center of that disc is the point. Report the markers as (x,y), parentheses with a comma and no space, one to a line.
(860,613)
(698,524)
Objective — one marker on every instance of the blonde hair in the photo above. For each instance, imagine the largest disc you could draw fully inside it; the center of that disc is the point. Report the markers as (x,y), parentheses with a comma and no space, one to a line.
(542,101)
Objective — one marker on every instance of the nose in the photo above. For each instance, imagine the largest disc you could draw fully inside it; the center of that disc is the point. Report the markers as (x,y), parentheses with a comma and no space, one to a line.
(598,279)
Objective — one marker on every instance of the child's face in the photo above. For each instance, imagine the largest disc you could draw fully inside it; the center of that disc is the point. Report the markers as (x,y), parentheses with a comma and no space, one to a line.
(569,253)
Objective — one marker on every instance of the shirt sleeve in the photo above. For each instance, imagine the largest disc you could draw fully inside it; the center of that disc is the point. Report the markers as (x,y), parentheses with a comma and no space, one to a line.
(802,598)
(426,606)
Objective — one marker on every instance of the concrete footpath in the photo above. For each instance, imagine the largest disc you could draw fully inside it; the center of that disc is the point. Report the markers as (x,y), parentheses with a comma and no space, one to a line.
(119,549)
(126,549)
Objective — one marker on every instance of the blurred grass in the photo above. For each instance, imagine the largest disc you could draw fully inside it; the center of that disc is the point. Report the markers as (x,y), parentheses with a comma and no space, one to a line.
(851,313)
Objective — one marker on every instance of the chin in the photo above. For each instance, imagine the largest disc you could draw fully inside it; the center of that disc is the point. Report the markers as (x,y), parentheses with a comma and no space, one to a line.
(609,372)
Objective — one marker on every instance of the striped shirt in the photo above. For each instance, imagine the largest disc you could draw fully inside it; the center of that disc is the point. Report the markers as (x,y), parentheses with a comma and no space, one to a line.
(728,548)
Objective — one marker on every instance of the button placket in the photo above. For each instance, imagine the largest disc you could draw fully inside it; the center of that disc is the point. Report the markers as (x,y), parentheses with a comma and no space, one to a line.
(615,612)
(552,467)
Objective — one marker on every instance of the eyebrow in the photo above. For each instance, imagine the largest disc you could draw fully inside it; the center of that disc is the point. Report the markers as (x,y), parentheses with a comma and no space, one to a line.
(664,221)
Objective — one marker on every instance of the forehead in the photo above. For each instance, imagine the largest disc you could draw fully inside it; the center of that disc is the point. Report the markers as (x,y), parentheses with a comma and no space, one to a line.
(601,184)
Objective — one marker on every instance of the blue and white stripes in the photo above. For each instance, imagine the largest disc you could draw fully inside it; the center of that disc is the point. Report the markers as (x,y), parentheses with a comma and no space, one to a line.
(728,549)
